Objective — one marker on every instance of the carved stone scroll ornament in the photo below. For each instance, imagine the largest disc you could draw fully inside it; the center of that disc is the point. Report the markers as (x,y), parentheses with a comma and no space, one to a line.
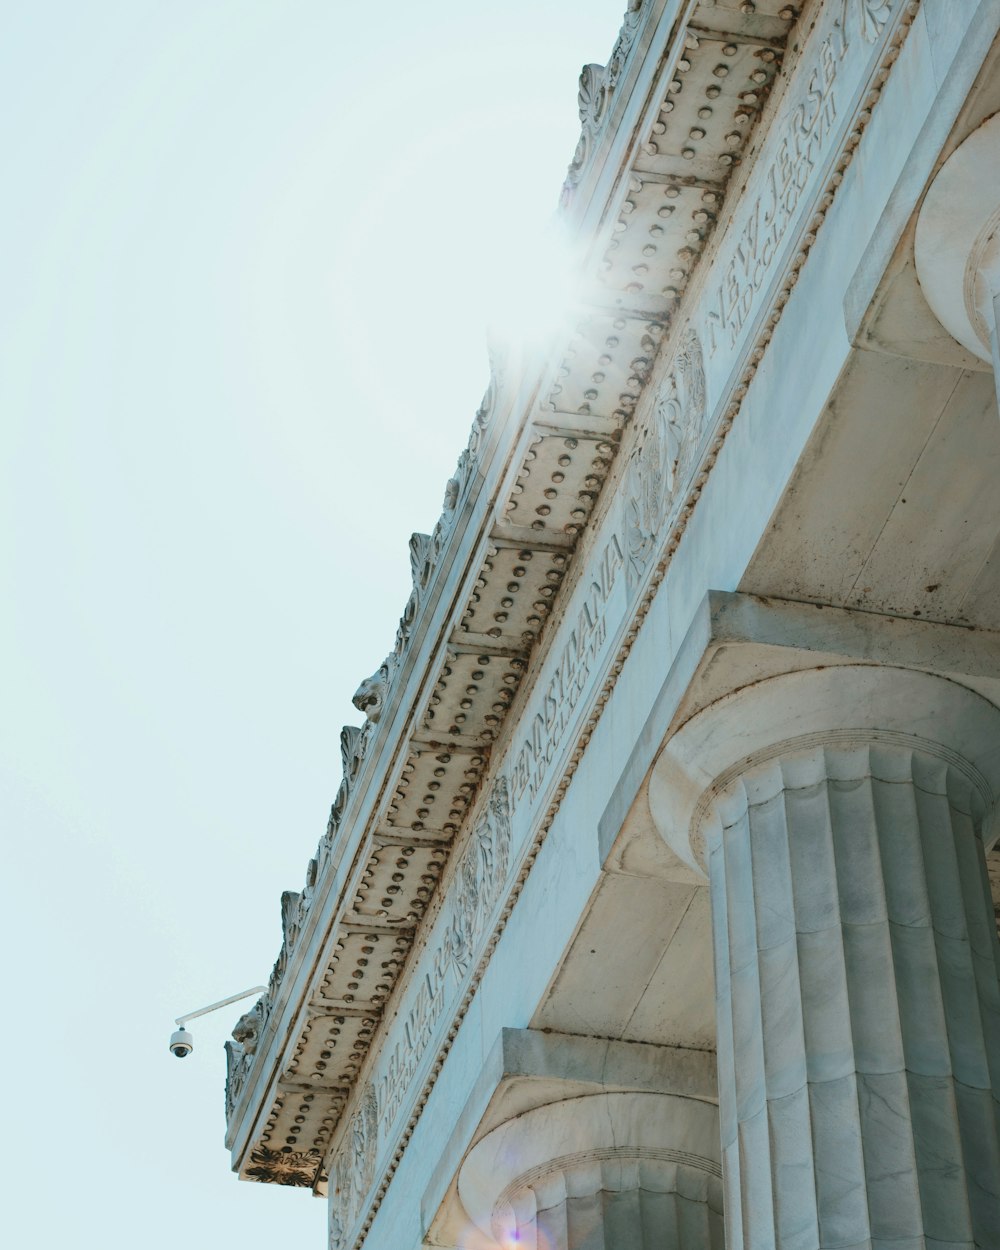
(295,904)
(420,570)
(353,746)
(277,973)
(370,697)
(591,99)
(337,809)
(354,740)
(291,918)
(623,44)
(597,84)
(488,404)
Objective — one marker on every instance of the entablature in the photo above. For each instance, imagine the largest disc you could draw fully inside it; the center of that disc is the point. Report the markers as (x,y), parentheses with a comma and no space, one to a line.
(525,594)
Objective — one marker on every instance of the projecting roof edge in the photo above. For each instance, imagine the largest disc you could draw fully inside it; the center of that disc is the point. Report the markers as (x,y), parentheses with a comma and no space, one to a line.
(524,494)
(390,696)
(399,682)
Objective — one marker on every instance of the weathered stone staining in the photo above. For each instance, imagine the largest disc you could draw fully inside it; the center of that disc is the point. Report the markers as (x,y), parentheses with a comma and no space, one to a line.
(655,906)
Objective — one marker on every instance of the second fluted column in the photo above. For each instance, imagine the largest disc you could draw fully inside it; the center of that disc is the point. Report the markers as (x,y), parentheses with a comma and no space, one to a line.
(840,816)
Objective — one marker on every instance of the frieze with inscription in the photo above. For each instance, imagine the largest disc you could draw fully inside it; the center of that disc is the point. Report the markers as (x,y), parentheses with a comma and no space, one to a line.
(547,727)
(478,883)
(790,172)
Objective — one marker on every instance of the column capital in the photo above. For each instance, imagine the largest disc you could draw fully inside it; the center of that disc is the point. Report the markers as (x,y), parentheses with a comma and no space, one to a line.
(581,1147)
(957,244)
(798,713)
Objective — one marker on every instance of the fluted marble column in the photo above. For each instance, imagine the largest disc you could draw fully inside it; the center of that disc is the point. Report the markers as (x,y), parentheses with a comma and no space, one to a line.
(840,815)
(616,1171)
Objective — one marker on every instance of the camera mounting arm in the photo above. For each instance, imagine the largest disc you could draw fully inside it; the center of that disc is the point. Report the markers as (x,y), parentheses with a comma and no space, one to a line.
(181,1042)
(223,1002)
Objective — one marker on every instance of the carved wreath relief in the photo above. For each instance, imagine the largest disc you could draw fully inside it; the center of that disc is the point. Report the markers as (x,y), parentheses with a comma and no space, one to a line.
(872,14)
(684,404)
(479,877)
(647,488)
(354,1167)
(663,454)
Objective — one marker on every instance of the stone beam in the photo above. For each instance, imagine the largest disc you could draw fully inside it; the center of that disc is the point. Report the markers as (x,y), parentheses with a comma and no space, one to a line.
(515,537)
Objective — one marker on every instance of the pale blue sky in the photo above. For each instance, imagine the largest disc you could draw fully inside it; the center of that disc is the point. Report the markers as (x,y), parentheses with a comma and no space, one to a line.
(245,249)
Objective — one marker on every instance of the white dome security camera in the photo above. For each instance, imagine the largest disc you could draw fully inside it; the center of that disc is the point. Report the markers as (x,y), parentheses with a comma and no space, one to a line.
(181,1043)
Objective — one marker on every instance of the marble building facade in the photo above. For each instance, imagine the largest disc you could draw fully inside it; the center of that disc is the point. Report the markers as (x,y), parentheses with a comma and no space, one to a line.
(654,906)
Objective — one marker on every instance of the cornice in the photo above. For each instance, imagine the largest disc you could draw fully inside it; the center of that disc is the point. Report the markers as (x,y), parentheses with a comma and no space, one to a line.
(433,777)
